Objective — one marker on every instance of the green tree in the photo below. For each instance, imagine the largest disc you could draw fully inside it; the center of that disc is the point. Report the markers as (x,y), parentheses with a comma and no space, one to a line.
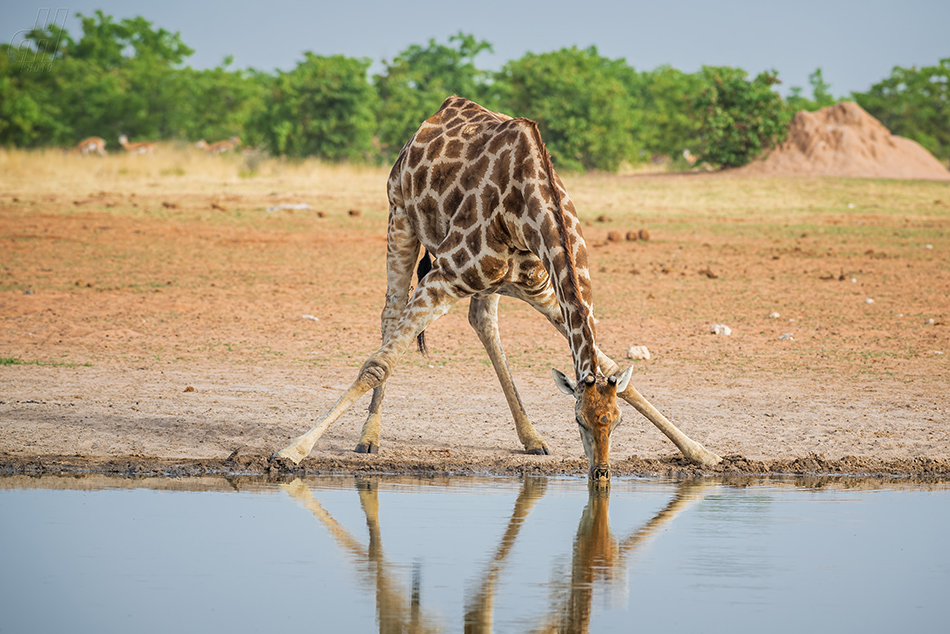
(325,107)
(25,116)
(28,114)
(820,95)
(113,45)
(218,103)
(665,96)
(418,80)
(740,119)
(119,77)
(582,103)
(914,103)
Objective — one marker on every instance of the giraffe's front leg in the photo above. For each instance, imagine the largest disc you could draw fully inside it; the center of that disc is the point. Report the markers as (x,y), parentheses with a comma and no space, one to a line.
(483,316)
(693,451)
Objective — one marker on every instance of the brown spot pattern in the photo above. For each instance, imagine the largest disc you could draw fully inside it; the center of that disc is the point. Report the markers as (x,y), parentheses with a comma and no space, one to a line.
(479,192)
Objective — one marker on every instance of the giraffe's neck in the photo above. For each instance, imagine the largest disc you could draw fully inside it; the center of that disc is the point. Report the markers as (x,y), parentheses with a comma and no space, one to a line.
(562,250)
(564,262)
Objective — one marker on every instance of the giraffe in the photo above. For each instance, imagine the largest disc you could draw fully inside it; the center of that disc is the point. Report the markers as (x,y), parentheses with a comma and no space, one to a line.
(477,190)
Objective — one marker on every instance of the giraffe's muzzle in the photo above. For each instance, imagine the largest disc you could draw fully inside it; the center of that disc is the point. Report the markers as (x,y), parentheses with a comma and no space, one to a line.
(600,474)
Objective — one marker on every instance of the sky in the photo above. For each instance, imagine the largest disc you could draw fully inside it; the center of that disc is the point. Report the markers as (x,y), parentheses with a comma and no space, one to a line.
(856,43)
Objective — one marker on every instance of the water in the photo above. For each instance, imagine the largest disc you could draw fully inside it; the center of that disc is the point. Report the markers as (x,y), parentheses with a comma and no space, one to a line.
(344,554)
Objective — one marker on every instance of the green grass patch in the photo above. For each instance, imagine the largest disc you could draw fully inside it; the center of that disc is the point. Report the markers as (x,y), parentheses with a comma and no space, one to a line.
(59,364)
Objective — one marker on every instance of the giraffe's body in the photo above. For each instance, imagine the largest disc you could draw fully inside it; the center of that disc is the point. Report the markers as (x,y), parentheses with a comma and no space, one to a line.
(477,190)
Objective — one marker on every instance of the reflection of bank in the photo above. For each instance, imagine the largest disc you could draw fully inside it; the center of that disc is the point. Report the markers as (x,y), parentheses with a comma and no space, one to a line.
(598,558)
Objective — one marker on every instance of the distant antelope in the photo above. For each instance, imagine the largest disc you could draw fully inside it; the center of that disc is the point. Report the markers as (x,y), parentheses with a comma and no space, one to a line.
(91,144)
(142,147)
(220,147)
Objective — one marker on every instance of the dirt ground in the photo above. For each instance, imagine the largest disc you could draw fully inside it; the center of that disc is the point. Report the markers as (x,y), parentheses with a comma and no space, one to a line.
(149,327)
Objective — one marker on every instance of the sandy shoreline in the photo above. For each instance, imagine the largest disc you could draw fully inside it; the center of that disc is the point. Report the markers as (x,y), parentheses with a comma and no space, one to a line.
(143,422)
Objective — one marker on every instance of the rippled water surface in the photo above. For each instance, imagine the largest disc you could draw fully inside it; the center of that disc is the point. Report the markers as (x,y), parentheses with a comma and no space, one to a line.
(374,554)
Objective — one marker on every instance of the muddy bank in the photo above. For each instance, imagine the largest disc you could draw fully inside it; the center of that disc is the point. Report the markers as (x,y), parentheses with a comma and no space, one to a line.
(916,469)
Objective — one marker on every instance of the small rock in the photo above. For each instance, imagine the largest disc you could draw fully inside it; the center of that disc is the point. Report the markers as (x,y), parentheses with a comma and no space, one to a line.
(614,236)
(786,337)
(638,352)
(603,218)
(774,315)
(290,207)
(644,234)
(720,329)
(928,246)
(189,389)
(869,301)
(311,318)
(354,212)
(930,322)
(633,236)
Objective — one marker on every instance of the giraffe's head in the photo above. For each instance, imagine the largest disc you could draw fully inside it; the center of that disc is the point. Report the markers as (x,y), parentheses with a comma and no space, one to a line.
(597,415)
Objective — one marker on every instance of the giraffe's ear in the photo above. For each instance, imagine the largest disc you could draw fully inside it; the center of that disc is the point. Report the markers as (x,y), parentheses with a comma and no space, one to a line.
(563,383)
(623,378)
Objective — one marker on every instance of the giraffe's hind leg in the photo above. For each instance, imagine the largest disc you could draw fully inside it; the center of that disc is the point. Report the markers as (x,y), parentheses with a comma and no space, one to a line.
(432,299)
(483,316)
(369,437)
(402,252)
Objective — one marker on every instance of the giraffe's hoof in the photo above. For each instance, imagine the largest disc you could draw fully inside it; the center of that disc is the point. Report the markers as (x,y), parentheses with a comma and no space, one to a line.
(370,447)
(281,463)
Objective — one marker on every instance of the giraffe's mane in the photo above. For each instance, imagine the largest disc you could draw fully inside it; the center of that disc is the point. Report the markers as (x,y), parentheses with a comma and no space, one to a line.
(563,236)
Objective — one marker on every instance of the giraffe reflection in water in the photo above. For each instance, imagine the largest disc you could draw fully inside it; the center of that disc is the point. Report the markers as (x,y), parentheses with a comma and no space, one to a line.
(599,558)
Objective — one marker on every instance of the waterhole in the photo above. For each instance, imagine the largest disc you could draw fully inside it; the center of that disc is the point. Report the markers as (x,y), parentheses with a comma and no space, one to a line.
(369,554)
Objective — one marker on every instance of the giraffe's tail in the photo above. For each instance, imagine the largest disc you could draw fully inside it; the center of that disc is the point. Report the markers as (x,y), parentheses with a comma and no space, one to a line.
(425,265)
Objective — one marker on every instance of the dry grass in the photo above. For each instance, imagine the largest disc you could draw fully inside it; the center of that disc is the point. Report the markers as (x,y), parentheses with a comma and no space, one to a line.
(185,240)
(184,171)
(641,196)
